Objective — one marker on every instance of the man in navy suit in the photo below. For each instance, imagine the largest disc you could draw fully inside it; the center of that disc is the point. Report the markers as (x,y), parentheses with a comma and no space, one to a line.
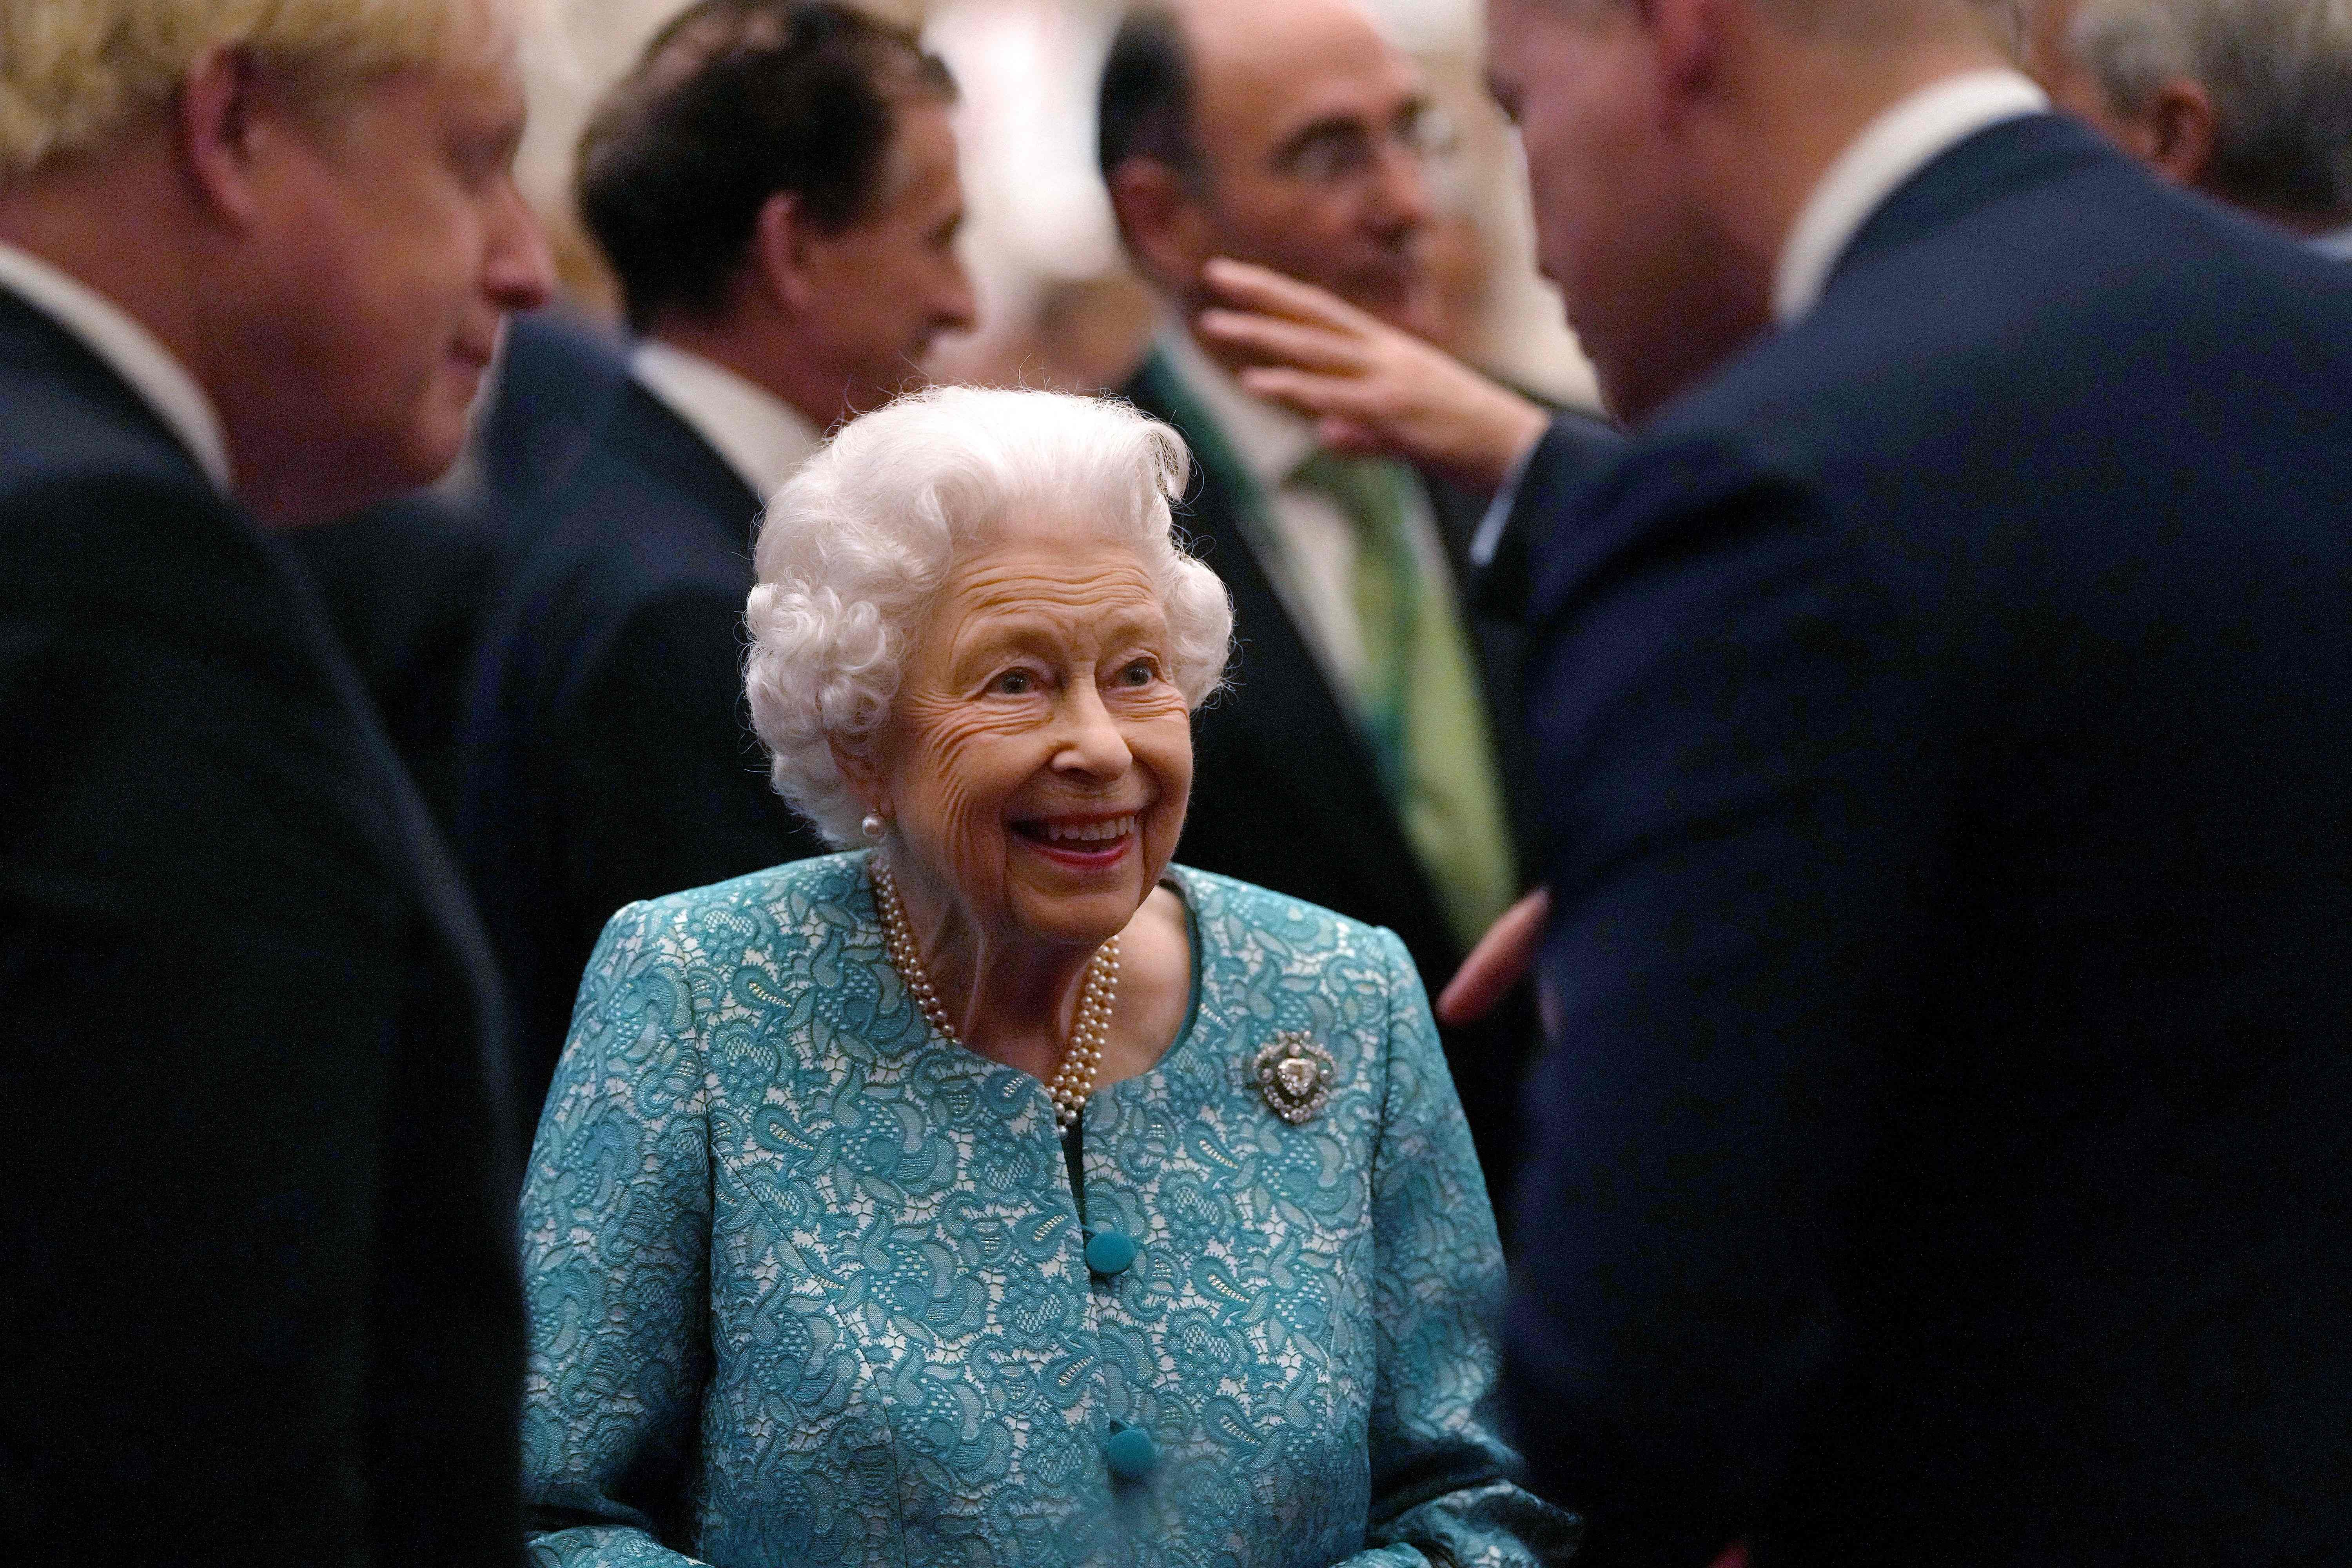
(775,187)
(1943,708)
(257,1274)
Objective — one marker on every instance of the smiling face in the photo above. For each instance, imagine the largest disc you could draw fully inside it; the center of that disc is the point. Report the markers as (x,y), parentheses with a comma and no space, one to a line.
(1037,760)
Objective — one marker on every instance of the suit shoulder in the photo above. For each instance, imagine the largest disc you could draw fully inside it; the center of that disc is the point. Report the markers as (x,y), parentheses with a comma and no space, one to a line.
(98,532)
(2029,314)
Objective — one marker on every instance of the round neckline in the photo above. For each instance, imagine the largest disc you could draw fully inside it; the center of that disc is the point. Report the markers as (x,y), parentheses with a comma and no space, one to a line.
(931,1040)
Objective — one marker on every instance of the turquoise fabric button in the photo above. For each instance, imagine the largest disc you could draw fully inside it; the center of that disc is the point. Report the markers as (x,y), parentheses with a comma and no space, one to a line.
(1130,1453)
(1110,1251)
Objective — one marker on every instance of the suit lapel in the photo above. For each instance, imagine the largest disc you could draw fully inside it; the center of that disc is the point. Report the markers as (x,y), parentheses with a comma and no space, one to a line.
(412,844)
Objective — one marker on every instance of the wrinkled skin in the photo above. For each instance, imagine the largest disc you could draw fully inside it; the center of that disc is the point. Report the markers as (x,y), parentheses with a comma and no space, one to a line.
(1038,693)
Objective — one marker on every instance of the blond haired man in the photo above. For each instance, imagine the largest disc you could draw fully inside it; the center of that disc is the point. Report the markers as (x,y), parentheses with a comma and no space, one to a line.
(253,259)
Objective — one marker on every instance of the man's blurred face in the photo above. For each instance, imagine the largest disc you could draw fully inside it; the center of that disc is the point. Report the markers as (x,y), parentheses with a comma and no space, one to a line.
(390,244)
(1651,288)
(891,282)
(1313,132)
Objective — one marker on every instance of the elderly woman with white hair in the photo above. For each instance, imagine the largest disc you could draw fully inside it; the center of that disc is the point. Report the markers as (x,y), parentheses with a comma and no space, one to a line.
(997,1192)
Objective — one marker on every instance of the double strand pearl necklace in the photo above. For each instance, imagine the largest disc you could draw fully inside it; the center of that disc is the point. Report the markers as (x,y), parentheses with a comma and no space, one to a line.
(1073,1082)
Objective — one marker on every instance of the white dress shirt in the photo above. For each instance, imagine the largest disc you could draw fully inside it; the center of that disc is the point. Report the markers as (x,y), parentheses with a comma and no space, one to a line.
(2337,243)
(129,350)
(1311,557)
(1893,147)
(763,439)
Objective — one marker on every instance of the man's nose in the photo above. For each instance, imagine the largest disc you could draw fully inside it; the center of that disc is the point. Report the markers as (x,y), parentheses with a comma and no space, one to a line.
(520,270)
(1400,191)
(957,310)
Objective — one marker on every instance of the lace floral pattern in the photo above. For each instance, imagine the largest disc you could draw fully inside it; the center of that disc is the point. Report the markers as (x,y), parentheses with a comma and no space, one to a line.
(807,1283)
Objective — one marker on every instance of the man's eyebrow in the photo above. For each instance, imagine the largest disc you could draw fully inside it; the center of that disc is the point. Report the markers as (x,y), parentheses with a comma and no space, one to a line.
(1341,124)
(1329,125)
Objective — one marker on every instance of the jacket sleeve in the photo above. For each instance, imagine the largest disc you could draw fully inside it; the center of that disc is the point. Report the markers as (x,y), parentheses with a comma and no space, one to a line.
(1739,743)
(1442,1476)
(616,1250)
(1572,451)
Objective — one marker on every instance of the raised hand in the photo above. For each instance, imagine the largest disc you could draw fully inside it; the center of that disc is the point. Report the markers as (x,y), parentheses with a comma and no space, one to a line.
(1371,388)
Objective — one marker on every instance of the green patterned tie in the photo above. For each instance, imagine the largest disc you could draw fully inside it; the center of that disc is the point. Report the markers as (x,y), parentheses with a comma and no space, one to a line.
(1419,702)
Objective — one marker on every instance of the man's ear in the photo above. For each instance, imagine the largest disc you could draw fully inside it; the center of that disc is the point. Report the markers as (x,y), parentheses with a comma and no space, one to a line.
(223,127)
(1161,218)
(2176,130)
(782,242)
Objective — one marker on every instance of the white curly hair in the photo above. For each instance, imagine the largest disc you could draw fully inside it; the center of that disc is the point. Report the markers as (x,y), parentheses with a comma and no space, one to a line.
(855,545)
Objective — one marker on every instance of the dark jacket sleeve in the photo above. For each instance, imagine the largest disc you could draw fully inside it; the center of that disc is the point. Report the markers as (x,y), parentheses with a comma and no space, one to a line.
(1733,734)
(204,965)
(1574,450)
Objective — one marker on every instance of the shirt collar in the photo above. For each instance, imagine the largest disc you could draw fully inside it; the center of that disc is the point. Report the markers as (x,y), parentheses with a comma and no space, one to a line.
(760,436)
(2337,243)
(1890,150)
(1270,441)
(129,350)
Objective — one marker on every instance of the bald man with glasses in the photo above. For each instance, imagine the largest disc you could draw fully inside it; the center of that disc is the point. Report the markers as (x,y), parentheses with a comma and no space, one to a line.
(1368,757)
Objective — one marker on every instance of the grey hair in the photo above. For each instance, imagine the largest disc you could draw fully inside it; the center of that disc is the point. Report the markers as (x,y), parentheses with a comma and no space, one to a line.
(855,547)
(2280,74)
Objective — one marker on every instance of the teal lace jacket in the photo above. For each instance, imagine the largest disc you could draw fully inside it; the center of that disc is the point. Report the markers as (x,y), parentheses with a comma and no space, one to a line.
(809,1285)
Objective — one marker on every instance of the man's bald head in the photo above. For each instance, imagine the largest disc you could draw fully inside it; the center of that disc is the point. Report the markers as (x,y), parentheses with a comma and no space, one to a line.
(1286,132)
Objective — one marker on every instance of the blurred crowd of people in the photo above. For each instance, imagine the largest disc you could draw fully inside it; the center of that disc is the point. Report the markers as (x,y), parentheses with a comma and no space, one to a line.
(1868,789)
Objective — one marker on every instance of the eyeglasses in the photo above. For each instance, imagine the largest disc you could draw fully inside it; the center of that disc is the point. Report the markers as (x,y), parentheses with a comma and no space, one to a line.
(1345,153)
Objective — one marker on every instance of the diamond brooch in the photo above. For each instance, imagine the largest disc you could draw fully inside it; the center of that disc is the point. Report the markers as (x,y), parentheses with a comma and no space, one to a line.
(1295,1075)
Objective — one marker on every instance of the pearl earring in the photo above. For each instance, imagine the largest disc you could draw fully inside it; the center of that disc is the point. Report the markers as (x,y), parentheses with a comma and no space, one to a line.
(874,827)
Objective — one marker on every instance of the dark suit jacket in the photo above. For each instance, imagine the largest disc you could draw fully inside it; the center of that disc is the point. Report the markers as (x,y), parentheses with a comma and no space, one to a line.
(406,581)
(1945,715)
(258,1281)
(610,754)
(1284,789)
(559,376)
